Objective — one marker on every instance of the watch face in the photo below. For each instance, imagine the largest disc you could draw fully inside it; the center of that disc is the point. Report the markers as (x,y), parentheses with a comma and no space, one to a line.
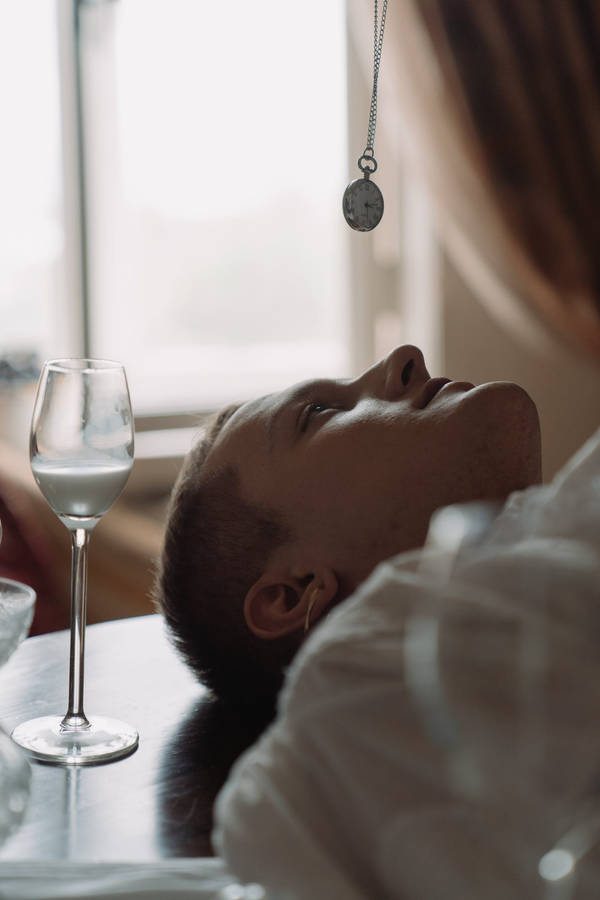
(363,204)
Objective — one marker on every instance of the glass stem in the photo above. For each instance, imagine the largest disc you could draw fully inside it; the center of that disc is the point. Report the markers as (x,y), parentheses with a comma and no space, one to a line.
(75,717)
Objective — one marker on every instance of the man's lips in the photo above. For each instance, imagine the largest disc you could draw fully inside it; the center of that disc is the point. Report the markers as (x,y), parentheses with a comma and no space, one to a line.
(432,387)
(435,385)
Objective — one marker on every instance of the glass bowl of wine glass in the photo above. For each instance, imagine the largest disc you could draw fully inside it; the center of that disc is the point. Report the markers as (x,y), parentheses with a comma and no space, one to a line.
(17,602)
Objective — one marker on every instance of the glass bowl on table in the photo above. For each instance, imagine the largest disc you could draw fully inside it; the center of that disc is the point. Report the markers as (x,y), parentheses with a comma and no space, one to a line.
(17,602)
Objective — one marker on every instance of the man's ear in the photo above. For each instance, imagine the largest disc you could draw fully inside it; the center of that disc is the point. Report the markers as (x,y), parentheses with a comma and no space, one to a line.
(277,605)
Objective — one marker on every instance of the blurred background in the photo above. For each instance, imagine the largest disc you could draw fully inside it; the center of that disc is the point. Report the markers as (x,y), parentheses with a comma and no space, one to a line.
(171,174)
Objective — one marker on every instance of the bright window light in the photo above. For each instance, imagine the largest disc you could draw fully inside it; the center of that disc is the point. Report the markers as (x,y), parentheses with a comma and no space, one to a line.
(31,229)
(215,164)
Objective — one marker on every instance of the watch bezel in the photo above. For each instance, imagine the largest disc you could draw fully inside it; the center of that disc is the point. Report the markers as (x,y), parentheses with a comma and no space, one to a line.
(350,189)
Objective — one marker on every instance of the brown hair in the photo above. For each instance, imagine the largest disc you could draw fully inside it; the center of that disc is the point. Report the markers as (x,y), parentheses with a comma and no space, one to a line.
(216,546)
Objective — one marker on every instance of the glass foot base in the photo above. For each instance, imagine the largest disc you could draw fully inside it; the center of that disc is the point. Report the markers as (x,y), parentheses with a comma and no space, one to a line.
(104,741)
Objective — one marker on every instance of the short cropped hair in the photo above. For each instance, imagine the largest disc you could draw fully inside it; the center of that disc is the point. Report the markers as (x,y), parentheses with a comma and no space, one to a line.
(216,546)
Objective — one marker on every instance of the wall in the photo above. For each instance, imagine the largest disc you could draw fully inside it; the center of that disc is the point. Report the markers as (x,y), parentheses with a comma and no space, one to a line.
(564,385)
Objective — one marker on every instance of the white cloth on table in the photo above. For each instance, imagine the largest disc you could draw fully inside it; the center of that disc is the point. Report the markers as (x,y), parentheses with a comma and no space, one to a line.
(441,739)
(180,879)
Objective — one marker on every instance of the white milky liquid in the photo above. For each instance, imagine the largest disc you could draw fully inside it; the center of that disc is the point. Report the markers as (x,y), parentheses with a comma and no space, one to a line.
(80,488)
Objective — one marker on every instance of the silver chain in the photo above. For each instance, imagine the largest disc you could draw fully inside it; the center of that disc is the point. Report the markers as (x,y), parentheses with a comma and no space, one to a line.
(377,47)
(370,164)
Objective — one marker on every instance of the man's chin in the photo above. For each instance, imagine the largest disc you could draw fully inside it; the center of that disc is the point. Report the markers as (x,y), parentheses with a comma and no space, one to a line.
(511,428)
(508,397)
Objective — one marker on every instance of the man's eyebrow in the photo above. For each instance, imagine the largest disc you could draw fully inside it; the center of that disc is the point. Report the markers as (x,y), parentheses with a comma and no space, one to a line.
(301,395)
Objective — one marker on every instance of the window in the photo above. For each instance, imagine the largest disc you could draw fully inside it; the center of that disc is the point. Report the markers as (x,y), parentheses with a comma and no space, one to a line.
(31,218)
(174,201)
(214,140)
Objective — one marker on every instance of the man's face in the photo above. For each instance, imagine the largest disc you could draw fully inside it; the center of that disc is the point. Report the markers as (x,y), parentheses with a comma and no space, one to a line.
(357,467)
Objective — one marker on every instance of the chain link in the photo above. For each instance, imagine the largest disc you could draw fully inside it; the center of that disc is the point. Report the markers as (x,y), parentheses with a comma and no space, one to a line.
(377,48)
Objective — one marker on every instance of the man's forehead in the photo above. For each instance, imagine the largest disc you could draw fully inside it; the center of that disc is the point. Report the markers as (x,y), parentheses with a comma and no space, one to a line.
(245,430)
(251,427)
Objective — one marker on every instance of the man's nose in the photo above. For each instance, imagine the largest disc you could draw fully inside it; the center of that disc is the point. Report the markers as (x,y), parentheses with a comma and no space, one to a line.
(395,375)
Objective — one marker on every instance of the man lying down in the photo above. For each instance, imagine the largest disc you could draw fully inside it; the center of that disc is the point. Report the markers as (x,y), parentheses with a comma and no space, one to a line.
(293,499)
(437,731)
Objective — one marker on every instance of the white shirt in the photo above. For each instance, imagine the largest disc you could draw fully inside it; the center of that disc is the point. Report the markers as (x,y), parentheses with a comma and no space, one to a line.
(438,735)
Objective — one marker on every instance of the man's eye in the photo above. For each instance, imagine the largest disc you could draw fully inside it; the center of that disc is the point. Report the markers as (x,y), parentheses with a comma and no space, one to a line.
(311,410)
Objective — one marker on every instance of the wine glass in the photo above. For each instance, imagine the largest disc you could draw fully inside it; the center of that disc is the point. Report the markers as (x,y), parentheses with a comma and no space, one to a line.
(81,450)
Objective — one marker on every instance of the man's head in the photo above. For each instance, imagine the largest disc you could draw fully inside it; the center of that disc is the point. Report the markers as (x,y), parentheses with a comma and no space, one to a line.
(215,543)
(309,489)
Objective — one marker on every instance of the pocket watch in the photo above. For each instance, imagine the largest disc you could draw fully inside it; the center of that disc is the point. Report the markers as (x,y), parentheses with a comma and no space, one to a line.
(363,201)
(362,204)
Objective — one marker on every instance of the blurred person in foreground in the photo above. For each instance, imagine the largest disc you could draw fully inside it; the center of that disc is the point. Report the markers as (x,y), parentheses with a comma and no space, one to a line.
(437,734)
